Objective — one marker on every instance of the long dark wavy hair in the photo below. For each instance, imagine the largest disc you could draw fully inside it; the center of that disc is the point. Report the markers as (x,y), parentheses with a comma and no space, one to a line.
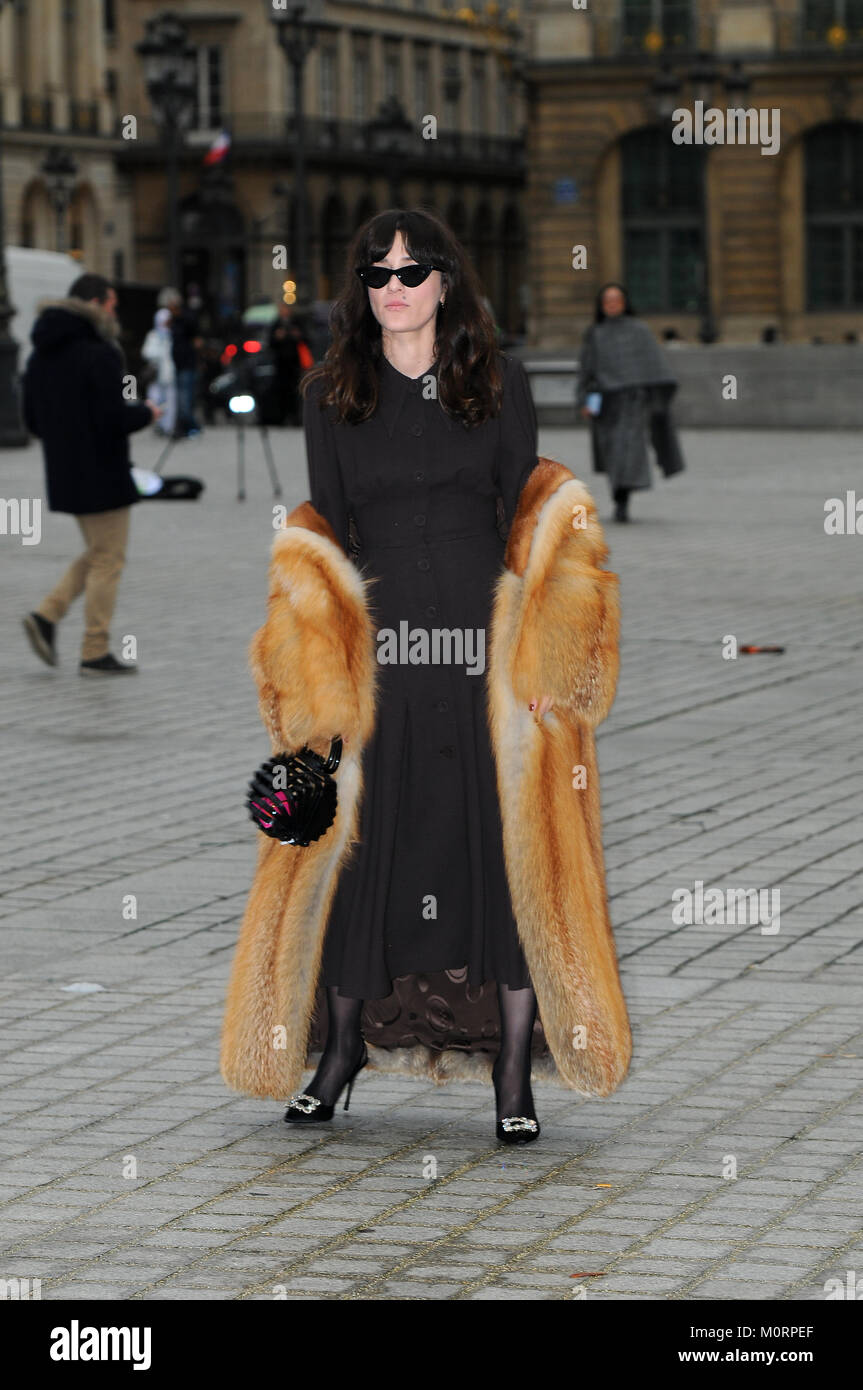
(599,313)
(470,370)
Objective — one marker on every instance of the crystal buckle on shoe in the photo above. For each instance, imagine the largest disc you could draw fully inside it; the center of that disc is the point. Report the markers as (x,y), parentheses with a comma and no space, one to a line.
(519,1122)
(304,1103)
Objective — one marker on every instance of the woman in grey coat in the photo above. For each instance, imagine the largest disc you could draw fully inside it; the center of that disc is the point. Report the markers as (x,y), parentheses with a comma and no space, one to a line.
(622,364)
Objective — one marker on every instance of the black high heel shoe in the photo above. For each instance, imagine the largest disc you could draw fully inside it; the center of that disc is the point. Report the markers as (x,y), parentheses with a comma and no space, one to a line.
(308,1110)
(516,1129)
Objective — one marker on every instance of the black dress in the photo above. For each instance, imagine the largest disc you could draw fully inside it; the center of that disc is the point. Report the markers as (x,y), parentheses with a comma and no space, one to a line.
(425,889)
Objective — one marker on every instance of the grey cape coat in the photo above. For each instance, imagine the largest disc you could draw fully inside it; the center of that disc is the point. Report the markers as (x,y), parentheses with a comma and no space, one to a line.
(621,359)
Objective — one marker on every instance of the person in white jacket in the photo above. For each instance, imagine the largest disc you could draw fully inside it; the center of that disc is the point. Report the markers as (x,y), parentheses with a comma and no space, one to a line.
(158,348)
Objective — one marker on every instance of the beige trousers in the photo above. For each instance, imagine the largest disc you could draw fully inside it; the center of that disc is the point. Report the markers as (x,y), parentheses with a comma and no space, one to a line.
(98,572)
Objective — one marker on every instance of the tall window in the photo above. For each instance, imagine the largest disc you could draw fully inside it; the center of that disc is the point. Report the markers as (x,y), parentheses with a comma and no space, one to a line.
(19,21)
(833,157)
(422,85)
(663,233)
(655,25)
(209,87)
(820,17)
(327,70)
(70,20)
(477,94)
(451,67)
(504,107)
(362,85)
(109,17)
(392,71)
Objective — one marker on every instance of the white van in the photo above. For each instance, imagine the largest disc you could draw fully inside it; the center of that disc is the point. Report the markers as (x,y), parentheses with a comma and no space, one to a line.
(35,275)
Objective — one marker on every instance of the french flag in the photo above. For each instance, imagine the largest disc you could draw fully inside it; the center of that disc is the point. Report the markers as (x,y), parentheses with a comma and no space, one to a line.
(219,148)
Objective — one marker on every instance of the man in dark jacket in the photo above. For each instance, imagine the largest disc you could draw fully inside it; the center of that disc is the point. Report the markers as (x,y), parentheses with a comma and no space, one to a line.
(73,401)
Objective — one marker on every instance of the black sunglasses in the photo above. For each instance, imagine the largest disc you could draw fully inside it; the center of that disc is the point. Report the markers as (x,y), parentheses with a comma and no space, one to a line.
(376,276)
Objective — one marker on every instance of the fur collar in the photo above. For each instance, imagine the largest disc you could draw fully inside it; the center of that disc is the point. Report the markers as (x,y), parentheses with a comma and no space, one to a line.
(104,323)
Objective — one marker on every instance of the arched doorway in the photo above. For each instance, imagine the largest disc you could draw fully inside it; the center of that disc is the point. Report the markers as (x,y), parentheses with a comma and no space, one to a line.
(213,252)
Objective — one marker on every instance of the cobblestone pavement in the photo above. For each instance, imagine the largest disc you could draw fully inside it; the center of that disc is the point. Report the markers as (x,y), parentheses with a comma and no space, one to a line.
(129,1170)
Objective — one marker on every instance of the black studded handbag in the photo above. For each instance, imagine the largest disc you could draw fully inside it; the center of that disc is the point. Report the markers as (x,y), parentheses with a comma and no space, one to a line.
(292,797)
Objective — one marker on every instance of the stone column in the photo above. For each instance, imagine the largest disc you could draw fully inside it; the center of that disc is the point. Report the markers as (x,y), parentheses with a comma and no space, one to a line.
(47,59)
(10,78)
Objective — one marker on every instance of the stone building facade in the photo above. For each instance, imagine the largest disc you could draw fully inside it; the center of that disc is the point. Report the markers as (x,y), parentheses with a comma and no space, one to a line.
(54,56)
(554,158)
(70,77)
(714,240)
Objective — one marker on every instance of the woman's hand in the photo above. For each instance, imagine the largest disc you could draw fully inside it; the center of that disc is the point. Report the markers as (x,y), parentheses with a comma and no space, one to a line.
(586,414)
(542,707)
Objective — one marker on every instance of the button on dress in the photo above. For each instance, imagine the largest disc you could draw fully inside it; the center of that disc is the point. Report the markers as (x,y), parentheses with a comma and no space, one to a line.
(418,500)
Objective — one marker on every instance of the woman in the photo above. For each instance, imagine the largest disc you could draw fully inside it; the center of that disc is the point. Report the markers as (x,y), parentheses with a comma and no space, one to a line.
(622,363)
(398,929)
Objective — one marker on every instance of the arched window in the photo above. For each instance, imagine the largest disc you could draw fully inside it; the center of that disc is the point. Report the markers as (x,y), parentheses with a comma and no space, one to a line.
(662,205)
(70,39)
(833,156)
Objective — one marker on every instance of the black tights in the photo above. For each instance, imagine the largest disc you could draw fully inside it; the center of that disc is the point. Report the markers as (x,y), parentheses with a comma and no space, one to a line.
(511,1071)
(343,1047)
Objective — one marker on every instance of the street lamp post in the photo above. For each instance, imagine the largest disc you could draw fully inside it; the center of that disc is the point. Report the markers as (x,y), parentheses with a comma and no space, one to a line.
(295,29)
(169,73)
(60,171)
(12,432)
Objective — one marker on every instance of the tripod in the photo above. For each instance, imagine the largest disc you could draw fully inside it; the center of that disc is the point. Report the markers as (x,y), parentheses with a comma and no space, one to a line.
(241,458)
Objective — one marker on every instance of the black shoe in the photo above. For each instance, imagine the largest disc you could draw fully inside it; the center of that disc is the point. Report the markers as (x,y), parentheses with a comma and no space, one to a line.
(41,634)
(107,665)
(517,1129)
(309,1110)
(620,513)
